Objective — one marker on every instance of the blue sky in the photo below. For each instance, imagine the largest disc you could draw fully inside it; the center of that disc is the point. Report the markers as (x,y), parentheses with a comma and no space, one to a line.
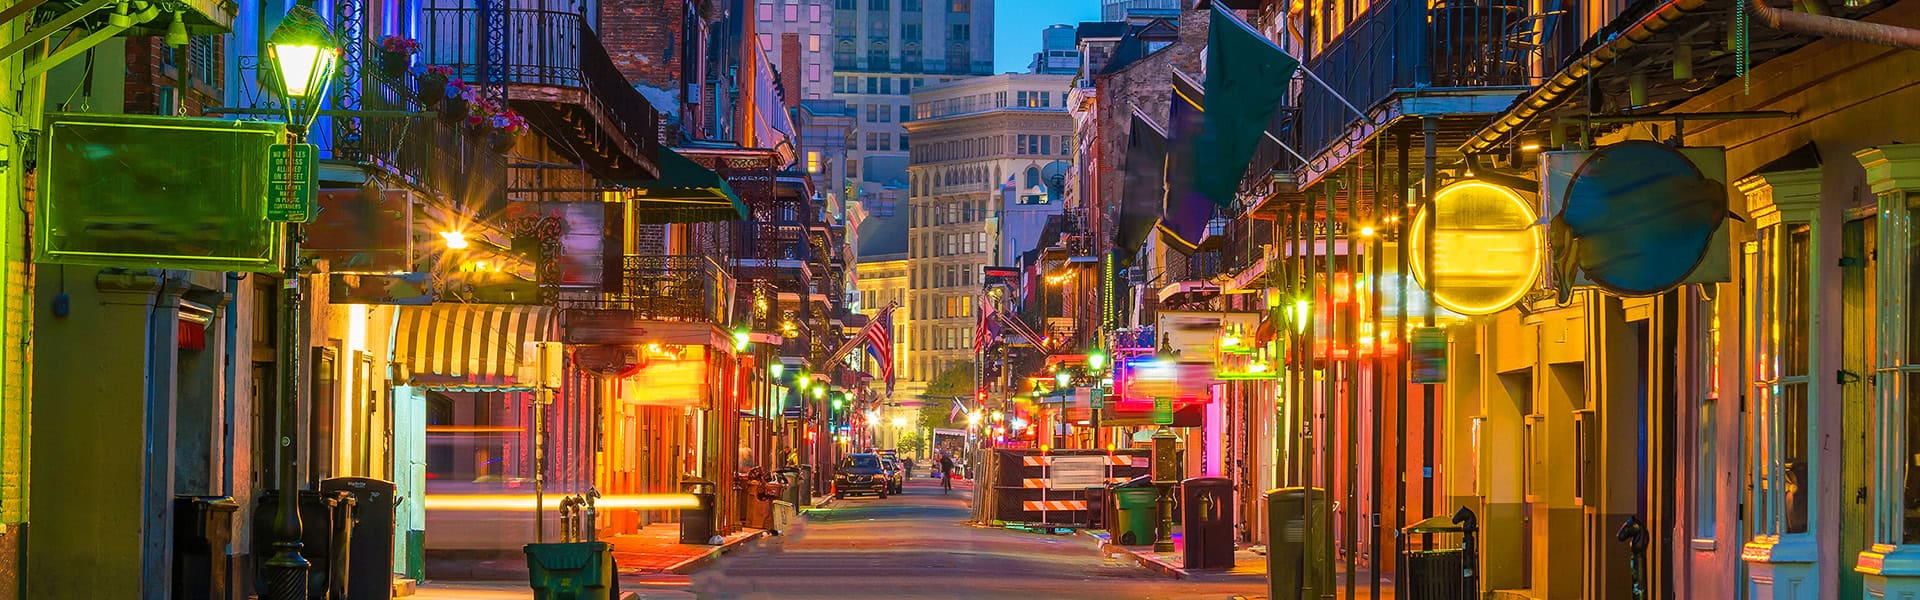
(1017,25)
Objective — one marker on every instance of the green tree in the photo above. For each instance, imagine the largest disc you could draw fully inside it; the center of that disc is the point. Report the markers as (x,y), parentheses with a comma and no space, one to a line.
(956,382)
(913,443)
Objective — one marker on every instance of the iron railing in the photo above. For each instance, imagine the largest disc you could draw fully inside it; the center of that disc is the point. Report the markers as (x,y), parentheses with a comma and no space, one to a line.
(544,47)
(667,288)
(1402,44)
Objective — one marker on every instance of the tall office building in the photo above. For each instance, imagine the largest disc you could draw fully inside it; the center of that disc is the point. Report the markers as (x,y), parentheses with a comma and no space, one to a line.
(882,51)
(974,137)
(1125,10)
(797,37)
(1059,54)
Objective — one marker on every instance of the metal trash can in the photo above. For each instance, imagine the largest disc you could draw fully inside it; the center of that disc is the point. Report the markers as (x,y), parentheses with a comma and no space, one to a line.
(805,484)
(325,537)
(1297,565)
(1442,567)
(1135,509)
(1098,505)
(369,560)
(789,478)
(1206,510)
(571,571)
(696,524)
(202,535)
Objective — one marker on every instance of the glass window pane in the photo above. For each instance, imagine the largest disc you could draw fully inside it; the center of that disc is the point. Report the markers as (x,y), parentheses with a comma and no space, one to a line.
(1795,322)
(1793,425)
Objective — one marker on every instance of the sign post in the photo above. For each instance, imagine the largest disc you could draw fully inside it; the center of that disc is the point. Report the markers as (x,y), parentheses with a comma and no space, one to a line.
(291,183)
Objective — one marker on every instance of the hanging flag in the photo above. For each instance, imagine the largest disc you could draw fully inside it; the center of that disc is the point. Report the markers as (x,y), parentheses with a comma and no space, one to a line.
(984,332)
(1184,212)
(953,416)
(879,337)
(1247,79)
(1144,186)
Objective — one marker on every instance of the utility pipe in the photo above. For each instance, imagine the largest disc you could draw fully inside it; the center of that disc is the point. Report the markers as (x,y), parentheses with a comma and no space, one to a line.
(1878,34)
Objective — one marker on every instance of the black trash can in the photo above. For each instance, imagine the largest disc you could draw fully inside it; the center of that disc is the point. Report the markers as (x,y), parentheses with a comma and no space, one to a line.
(369,560)
(1206,511)
(1441,565)
(325,524)
(696,524)
(1297,564)
(805,483)
(202,536)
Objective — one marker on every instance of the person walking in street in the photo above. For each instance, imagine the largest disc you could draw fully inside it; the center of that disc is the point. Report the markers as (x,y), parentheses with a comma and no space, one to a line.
(946,473)
(907,462)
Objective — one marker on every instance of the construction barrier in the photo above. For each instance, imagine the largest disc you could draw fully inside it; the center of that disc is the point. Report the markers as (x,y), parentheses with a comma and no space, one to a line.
(1050,488)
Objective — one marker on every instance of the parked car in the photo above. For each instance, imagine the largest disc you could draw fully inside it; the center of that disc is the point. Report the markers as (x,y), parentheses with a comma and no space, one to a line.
(896,473)
(861,474)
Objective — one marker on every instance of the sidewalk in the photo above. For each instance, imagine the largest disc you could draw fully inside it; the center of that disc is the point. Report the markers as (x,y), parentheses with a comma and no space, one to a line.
(1247,565)
(656,548)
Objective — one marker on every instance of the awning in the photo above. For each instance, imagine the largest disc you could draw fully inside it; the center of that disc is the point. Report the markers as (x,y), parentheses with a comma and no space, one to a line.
(485,345)
(685,193)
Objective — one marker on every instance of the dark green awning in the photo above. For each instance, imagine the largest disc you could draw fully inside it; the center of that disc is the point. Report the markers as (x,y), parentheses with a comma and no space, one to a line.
(685,193)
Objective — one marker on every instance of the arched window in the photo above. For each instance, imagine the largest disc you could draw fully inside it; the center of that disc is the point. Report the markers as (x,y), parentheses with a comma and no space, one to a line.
(1033,177)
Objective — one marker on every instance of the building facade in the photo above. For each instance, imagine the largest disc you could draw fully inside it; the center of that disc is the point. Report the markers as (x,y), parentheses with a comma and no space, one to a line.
(797,37)
(981,138)
(882,51)
(1059,53)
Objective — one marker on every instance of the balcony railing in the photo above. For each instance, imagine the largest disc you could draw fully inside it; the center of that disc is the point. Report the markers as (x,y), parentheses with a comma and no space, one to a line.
(668,288)
(1401,44)
(544,48)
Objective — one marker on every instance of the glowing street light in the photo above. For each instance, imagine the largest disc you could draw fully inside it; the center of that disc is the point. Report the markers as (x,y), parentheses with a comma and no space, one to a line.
(454,239)
(1097,360)
(899,422)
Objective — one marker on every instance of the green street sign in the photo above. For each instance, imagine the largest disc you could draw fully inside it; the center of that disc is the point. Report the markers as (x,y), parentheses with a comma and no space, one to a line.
(1097,398)
(290,183)
(1163,411)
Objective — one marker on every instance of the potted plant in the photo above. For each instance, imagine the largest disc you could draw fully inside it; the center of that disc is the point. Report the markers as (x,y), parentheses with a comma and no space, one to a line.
(396,54)
(459,97)
(480,114)
(506,129)
(433,85)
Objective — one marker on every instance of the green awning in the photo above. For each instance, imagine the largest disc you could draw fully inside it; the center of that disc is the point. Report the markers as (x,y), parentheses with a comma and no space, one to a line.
(685,193)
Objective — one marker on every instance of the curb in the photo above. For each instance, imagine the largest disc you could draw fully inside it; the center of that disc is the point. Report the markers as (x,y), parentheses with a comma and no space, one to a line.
(688,566)
(1165,569)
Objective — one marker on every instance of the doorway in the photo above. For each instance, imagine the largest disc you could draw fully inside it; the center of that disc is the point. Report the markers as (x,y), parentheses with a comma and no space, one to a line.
(1858,261)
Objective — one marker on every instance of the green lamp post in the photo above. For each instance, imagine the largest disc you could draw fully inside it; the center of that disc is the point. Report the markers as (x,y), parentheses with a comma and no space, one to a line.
(303,53)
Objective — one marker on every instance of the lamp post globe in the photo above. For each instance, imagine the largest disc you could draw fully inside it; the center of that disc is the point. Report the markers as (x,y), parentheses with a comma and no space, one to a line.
(303,53)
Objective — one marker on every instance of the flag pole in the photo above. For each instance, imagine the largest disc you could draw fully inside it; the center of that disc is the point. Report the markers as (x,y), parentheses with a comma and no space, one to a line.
(1336,94)
(1284,146)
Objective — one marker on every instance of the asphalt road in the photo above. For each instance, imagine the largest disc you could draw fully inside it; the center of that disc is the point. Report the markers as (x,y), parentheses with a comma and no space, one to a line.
(918,545)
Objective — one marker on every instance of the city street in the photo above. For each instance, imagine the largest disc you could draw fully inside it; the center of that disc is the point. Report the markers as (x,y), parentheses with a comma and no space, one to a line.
(918,545)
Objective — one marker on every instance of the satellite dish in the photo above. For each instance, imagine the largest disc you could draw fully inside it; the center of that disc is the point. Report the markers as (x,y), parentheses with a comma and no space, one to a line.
(1637,219)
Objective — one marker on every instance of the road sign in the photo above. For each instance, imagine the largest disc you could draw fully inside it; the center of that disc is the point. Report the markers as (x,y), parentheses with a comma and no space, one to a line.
(290,183)
(1077,472)
(1097,398)
(1163,411)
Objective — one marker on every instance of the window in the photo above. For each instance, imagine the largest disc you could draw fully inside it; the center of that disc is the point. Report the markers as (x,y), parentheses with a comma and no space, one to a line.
(906,114)
(910,5)
(873,85)
(961,33)
(886,85)
(766,41)
(903,140)
(1779,263)
(813,71)
(844,5)
(961,6)
(910,32)
(870,111)
(813,41)
(877,5)
(766,11)
(813,13)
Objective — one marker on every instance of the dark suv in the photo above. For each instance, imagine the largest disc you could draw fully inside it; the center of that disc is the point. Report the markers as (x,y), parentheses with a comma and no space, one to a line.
(860,474)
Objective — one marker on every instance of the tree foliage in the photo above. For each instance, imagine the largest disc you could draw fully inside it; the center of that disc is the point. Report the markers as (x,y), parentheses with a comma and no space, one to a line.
(956,382)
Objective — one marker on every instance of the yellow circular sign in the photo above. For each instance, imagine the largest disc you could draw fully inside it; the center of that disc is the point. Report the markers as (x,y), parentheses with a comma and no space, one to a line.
(1486,250)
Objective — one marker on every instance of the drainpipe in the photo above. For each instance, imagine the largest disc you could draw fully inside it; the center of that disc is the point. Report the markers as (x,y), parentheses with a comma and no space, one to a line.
(1834,27)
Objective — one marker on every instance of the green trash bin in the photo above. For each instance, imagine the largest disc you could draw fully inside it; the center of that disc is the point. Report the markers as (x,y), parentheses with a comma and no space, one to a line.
(1136,509)
(571,571)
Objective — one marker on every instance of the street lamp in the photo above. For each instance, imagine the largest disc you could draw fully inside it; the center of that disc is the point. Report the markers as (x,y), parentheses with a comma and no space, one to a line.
(302,51)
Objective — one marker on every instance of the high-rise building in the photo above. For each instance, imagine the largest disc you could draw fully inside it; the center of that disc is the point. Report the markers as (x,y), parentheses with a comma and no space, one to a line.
(797,35)
(1126,10)
(1059,54)
(979,139)
(882,51)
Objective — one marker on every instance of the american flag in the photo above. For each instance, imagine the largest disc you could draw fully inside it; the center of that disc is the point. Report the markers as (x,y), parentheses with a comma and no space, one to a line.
(989,325)
(879,337)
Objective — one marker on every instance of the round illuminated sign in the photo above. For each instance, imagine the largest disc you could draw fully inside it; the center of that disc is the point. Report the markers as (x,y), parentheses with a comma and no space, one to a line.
(1486,251)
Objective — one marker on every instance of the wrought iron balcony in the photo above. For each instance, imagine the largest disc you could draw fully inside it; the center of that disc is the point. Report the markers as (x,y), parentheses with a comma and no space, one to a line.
(667,288)
(553,69)
(1449,44)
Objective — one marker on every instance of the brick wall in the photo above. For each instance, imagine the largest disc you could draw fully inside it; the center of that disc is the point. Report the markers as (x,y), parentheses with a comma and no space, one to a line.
(1147,85)
(148,72)
(644,38)
(790,53)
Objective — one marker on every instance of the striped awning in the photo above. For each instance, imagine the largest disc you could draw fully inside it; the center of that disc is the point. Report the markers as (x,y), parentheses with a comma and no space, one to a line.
(472,344)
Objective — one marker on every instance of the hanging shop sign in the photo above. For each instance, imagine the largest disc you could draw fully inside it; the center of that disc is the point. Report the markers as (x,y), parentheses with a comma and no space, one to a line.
(1486,251)
(156,192)
(1195,335)
(405,289)
(362,230)
(1636,218)
(1428,360)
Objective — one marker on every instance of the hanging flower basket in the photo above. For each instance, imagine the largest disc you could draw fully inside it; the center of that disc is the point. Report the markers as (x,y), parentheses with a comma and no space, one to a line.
(458,102)
(396,54)
(504,129)
(433,85)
